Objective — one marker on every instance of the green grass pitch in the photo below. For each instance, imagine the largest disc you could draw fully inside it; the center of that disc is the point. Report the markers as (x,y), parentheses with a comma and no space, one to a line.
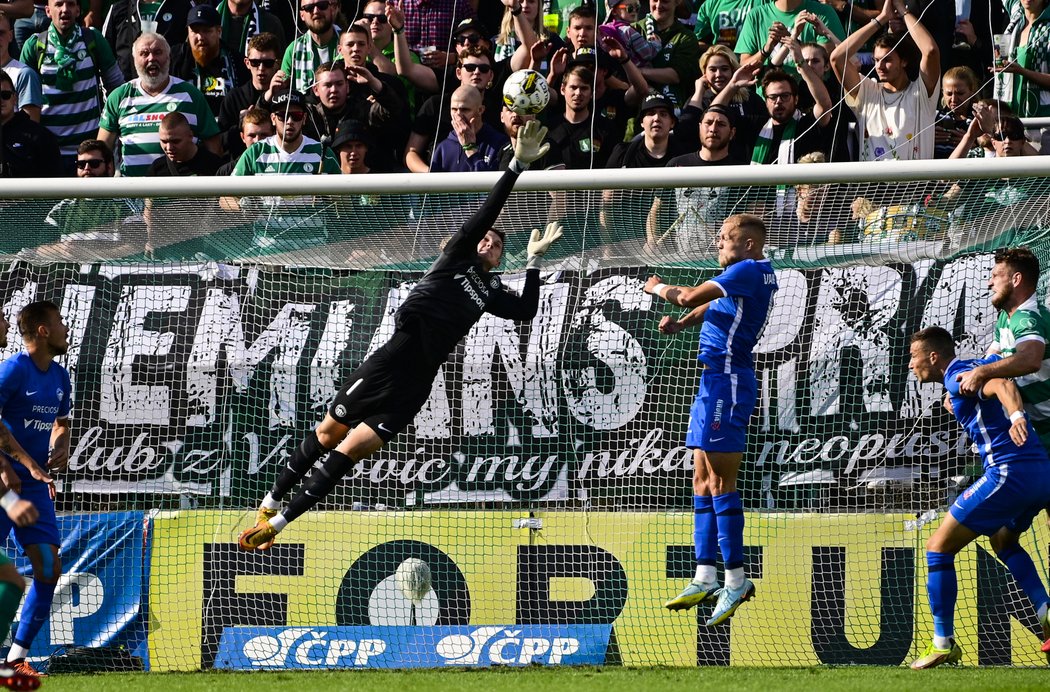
(816,679)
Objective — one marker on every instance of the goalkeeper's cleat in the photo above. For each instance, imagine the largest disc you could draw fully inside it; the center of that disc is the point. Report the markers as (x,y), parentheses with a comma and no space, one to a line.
(14,680)
(934,657)
(696,593)
(729,600)
(1045,624)
(23,669)
(265,515)
(258,536)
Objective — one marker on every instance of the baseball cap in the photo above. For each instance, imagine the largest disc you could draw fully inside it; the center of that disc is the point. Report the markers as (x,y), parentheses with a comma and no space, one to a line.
(589,57)
(654,101)
(471,24)
(284,98)
(204,15)
(349,130)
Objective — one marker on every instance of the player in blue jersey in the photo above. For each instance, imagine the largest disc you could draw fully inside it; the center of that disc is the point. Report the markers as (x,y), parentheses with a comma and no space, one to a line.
(732,307)
(35,407)
(1001,504)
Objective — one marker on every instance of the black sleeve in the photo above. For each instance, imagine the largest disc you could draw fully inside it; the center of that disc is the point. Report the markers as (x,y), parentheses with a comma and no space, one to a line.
(518,308)
(475,228)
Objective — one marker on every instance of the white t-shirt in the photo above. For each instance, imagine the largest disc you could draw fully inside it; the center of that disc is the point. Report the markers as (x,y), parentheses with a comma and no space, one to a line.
(897,126)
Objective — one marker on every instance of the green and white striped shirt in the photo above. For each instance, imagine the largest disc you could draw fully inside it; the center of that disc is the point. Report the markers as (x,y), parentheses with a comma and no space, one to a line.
(134,116)
(69,78)
(266,157)
(303,56)
(1030,322)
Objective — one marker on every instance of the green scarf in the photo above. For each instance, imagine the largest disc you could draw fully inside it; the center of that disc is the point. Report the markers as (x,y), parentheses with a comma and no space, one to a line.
(65,57)
(764,143)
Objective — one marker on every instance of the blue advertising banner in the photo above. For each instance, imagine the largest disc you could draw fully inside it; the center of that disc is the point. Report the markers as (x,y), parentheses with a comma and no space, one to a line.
(262,648)
(101,599)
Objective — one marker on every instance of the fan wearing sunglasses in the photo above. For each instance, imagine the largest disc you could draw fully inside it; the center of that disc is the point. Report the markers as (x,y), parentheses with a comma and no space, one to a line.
(28,149)
(320,44)
(434,122)
(288,152)
(263,52)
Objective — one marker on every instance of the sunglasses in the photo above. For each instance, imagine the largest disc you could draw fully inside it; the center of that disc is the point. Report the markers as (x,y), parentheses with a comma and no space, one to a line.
(5,94)
(381,18)
(1003,136)
(84,164)
(262,62)
(629,8)
(475,67)
(469,38)
(321,6)
(294,116)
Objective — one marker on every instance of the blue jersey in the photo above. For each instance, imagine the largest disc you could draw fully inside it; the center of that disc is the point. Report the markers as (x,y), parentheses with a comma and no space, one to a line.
(732,323)
(987,422)
(30,402)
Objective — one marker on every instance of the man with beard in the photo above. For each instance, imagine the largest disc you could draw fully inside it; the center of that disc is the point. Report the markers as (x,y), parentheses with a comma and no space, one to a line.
(261,62)
(35,403)
(243,20)
(699,210)
(375,99)
(71,60)
(897,114)
(512,124)
(129,19)
(320,44)
(133,111)
(204,62)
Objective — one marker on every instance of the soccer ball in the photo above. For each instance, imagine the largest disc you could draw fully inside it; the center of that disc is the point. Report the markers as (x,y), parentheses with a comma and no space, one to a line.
(413,578)
(526,92)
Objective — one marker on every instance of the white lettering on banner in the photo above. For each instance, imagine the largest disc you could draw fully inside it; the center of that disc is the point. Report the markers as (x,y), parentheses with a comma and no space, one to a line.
(122,399)
(89,455)
(77,595)
(504,646)
(312,648)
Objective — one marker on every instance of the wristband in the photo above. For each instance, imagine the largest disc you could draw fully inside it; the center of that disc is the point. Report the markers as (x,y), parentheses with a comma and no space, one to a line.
(397,30)
(876,20)
(658,290)
(1013,419)
(9,499)
(763,53)
(470,147)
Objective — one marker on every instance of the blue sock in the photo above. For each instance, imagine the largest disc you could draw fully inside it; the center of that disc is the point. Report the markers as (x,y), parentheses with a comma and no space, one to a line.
(35,612)
(1020,564)
(729,515)
(705,532)
(943,589)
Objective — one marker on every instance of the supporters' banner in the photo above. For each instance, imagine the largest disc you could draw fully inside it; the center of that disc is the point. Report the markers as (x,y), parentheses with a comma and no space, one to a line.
(101,598)
(831,589)
(201,378)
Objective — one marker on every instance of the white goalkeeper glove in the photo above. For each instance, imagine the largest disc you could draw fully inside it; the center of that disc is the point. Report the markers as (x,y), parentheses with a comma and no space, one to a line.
(539,244)
(530,146)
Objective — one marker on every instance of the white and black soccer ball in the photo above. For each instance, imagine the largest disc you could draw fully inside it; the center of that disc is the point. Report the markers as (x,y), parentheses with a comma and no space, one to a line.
(526,92)
(414,579)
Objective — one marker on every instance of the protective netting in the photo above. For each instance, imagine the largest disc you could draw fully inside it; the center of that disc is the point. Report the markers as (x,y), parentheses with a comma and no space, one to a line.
(544,484)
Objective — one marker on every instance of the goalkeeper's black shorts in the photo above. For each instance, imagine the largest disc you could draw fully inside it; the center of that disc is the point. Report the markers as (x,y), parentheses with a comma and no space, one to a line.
(387,390)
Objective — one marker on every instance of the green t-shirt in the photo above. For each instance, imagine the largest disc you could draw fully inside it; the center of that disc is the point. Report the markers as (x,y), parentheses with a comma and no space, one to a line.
(755,31)
(720,21)
(680,52)
(1030,322)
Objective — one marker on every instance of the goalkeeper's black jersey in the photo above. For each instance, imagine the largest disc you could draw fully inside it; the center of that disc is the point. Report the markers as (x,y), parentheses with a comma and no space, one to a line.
(456,290)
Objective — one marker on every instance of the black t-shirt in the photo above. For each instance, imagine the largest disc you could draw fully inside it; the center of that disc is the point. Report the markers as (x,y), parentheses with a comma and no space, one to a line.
(613,107)
(215,80)
(203,163)
(634,154)
(577,146)
(456,290)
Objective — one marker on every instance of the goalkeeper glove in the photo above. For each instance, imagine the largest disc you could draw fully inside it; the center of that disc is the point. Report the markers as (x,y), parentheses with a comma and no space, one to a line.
(529,146)
(539,244)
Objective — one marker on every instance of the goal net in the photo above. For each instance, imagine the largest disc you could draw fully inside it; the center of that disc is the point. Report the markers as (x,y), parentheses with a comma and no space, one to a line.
(545,484)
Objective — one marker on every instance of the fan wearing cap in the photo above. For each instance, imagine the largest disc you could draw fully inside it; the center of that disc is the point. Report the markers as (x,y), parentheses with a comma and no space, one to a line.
(133,110)
(473,145)
(699,211)
(287,152)
(204,61)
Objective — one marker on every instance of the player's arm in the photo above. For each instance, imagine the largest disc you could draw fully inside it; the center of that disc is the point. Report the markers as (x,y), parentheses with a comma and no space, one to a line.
(684,296)
(1027,358)
(20,512)
(529,147)
(9,445)
(670,325)
(1010,397)
(58,458)
(522,308)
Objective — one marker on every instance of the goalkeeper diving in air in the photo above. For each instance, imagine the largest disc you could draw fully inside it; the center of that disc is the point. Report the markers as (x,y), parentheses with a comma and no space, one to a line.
(385,392)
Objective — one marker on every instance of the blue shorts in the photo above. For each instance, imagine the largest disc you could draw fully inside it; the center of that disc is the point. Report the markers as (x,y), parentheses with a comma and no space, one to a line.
(723,407)
(1008,495)
(45,530)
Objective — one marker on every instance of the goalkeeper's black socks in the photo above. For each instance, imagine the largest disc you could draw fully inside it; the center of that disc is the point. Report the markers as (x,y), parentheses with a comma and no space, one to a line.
(299,464)
(322,481)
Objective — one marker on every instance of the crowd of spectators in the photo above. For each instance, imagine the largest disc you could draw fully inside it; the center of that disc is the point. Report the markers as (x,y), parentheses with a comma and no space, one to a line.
(251,87)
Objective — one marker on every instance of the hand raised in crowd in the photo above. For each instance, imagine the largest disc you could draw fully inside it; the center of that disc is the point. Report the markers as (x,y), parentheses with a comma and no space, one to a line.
(538,52)
(278,82)
(807,17)
(777,30)
(745,76)
(395,16)
(358,74)
(614,48)
(965,28)
(559,62)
